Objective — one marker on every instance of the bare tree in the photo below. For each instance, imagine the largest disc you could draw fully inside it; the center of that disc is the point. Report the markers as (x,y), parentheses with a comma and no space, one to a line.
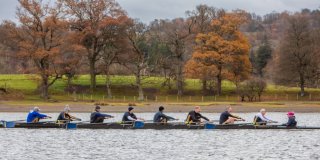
(136,60)
(297,55)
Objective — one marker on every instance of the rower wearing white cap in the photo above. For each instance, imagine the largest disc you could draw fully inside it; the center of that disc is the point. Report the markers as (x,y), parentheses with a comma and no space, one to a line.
(34,115)
(261,119)
(64,116)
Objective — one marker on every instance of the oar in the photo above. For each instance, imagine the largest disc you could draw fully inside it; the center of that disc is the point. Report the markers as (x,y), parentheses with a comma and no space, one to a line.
(90,120)
(8,124)
(14,120)
(252,123)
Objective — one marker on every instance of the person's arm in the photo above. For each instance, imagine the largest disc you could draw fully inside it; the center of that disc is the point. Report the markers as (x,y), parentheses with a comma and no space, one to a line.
(73,117)
(130,118)
(104,115)
(168,117)
(234,116)
(263,118)
(66,116)
(41,116)
(204,117)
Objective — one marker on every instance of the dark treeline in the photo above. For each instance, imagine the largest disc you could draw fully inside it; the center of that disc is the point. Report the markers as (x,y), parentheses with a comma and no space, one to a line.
(74,37)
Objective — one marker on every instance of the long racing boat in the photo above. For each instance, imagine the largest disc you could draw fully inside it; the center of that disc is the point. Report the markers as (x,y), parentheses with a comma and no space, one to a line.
(142,125)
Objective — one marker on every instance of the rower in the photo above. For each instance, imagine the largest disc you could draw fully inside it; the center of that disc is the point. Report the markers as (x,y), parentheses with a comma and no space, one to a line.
(64,116)
(34,115)
(261,119)
(130,117)
(97,117)
(291,120)
(195,116)
(227,118)
(160,117)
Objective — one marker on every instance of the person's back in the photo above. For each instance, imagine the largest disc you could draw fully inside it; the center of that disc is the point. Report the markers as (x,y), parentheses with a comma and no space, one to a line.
(35,116)
(126,116)
(61,116)
(157,116)
(224,117)
(291,120)
(195,116)
(31,116)
(94,116)
(191,116)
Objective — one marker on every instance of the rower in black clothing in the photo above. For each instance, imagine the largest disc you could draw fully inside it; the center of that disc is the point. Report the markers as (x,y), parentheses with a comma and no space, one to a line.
(291,120)
(160,117)
(130,117)
(195,116)
(97,117)
(65,116)
(227,118)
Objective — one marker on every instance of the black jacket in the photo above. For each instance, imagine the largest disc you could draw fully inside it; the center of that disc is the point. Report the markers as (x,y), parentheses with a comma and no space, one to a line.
(225,115)
(125,116)
(195,117)
(292,122)
(159,115)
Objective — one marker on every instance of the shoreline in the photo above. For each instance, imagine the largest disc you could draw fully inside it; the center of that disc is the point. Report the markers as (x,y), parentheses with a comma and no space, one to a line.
(214,107)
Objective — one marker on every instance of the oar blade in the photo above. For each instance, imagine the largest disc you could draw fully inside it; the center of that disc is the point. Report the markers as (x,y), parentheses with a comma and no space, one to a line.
(71,126)
(138,124)
(209,126)
(9,124)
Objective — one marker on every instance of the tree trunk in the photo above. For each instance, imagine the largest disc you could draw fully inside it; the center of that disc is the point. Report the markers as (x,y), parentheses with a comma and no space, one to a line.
(108,85)
(219,80)
(44,88)
(302,93)
(138,83)
(92,75)
(69,82)
(179,80)
(204,86)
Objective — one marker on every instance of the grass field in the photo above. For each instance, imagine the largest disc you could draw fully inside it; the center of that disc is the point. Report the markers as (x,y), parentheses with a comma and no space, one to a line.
(23,87)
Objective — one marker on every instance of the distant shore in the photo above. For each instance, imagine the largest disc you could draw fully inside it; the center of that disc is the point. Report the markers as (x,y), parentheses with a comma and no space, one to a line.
(214,107)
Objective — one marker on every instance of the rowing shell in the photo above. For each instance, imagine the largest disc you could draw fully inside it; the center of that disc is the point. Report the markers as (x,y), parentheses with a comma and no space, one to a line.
(141,125)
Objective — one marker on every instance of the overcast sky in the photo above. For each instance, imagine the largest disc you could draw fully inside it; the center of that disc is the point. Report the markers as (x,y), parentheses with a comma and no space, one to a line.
(148,10)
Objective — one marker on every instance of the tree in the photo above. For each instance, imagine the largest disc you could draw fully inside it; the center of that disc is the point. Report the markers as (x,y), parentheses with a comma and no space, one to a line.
(71,58)
(176,34)
(202,17)
(206,74)
(251,89)
(222,44)
(264,54)
(138,53)
(239,69)
(297,54)
(39,37)
(115,39)
(89,18)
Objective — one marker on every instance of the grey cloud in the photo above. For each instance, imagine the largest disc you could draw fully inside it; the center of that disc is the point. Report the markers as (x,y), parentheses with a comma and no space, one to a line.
(148,10)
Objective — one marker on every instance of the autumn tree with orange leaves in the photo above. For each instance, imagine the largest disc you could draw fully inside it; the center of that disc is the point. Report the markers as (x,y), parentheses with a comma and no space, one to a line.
(206,74)
(224,47)
(38,39)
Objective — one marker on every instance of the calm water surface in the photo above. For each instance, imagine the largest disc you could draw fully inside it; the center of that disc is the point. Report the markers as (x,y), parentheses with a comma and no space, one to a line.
(162,144)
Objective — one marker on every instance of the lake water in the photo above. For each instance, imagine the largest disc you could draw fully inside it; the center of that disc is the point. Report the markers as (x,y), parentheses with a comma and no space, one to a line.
(162,144)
